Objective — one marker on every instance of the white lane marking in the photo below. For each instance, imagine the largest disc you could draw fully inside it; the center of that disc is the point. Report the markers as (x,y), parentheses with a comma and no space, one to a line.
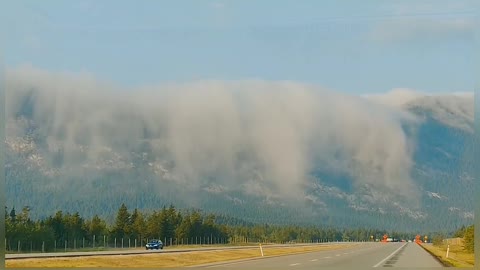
(293,264)
(314,260)
(327,257)
(388,257)
(345,253)
(338,255)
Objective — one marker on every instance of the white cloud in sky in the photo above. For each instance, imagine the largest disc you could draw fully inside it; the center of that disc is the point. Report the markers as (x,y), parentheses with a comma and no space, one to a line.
(422,28)
(454,109)
(396,97)
(254,135)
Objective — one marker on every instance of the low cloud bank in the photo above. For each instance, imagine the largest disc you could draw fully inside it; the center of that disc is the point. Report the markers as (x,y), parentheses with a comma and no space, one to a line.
(259,137)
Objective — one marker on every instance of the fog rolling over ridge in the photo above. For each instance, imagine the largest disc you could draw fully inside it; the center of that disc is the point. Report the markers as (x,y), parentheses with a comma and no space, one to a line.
(259,138)
(262,137)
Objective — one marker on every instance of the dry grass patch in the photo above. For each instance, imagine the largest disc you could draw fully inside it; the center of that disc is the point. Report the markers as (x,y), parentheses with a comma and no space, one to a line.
(457,256)
(167,259)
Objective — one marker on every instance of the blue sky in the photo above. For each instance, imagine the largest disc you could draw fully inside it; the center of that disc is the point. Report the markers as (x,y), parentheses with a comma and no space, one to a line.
(352,46)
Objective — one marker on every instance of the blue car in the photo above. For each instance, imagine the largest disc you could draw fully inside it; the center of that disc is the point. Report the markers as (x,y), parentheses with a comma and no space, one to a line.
(154,244)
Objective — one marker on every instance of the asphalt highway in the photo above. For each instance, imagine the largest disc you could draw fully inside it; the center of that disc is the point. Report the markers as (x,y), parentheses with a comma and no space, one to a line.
(143,251)
(362,256)
(359,256)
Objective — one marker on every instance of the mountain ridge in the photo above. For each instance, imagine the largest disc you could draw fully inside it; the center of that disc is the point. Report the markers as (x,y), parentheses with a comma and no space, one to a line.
(49,166)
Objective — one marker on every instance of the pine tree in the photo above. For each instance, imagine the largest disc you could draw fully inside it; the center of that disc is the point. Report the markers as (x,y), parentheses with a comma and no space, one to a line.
(183,230)
(460,232)
(137,224)
(74,226)
(24,217)
(13,216)
(122,228)
(96,226)
(469,238)
(57,224)
(152,226)
(174,219)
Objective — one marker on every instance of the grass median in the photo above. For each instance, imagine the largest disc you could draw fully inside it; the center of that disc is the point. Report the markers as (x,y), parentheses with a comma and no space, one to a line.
(457,256)
(90,249)
(165,260)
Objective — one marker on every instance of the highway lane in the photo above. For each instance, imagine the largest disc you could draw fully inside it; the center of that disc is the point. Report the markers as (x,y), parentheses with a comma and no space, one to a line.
(362,256)
(143,251)
(415,255)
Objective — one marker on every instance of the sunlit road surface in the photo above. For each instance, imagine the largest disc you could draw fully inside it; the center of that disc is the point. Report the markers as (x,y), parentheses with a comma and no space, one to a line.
(143,251)
(363,256)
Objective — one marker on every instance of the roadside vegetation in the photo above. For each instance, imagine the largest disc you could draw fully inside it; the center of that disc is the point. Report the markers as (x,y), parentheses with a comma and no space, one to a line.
(164,260)
(460,248)
(133,229)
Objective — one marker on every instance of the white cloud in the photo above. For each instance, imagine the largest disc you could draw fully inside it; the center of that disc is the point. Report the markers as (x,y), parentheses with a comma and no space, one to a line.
(454,109)
(259,136)
(420,29)
(397,97)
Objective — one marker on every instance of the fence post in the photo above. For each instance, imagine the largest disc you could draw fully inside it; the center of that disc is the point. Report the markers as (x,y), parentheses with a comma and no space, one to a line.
(170,241)
(135,242)
(43,246)
(55,246)
(18,246)
(31,246)
(129,242)
(83,242)
(104,242)
(122,242)
(115,242)
(74,244)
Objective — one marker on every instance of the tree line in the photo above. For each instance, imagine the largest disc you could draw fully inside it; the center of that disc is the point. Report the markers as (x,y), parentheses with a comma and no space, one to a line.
(169,224)
(467,233)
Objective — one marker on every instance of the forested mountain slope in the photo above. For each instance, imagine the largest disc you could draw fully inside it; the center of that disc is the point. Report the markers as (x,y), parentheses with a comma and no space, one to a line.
(292,154)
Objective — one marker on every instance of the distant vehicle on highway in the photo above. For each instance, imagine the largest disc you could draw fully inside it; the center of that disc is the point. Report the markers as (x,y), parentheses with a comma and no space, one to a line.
(154,244)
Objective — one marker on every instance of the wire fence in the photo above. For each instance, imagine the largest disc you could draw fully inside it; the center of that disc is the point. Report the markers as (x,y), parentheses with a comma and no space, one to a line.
(453,241)
(105,242)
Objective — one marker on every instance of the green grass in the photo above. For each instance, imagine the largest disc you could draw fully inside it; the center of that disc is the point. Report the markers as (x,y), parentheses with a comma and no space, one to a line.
(168,260)
(88,249)
(457,257)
